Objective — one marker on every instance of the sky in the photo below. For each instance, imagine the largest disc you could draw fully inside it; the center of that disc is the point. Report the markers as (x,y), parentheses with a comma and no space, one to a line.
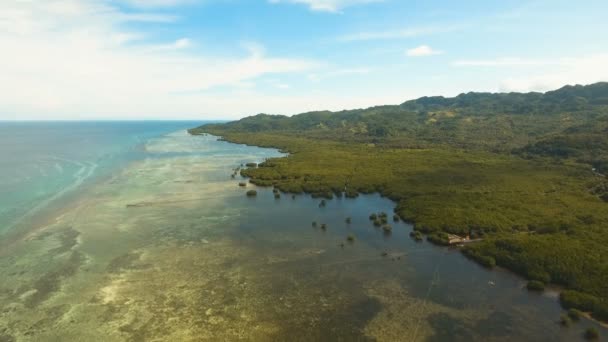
(226,59)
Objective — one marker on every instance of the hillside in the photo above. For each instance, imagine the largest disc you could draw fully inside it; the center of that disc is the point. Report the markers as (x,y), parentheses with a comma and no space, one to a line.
(513,169)
(497,122)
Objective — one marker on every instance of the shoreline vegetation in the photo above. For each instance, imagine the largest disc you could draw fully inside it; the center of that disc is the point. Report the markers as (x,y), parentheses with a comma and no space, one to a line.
(521,174)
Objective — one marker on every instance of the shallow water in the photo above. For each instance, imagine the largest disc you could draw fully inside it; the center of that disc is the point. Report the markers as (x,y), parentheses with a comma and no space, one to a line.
(171,249)
(43,163)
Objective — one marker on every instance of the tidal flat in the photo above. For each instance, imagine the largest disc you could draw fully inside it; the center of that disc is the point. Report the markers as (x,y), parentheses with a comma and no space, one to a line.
(171,249)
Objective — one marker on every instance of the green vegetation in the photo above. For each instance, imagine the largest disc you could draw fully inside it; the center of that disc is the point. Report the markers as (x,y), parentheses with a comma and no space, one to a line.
(416,235)
(252,193)
(591,334)
(564,320)
(438,238)
(348,220)
(575,315)
(251,165)
(277,195)
(323,226)
(512,169)
(596,305)
(314,223)
(350,238)
(535,285)
(242,184)
(485,260)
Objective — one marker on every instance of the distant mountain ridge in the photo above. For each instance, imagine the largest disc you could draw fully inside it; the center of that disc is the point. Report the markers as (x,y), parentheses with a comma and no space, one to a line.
(556,123)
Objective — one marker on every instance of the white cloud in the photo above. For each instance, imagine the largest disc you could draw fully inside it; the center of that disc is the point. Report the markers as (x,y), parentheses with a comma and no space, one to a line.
(316,77)
(179,44)
(326,5)
(504,62)
(74,59)
(398,34)
(535,74)
(423,51)
(157,3)
(578,70)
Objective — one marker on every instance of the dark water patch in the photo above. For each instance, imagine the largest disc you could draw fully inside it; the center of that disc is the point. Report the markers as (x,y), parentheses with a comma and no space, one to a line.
(141,331)
(497,324)
(125,262)
(51,316)
(50,282)
(5,336)
(448,328)
(346,323)
(68,238)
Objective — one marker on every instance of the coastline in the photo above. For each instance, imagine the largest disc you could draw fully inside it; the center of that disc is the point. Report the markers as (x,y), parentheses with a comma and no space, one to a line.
(478,259)
(200,256)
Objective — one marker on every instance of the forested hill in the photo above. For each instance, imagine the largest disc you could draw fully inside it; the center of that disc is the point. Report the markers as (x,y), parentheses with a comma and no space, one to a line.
(507,119)
(568,122)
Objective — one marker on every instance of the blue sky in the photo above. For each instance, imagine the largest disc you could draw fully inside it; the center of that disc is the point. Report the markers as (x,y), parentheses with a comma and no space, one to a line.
(223,59)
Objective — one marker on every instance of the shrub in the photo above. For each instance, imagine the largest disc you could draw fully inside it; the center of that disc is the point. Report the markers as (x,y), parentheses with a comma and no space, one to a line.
(348,220)
(242,184)
(591,334)
(577,300)
(377,223)
(351,194)
(387,228)
(535,285)
(251,165)
(323,226)
(373,217)
(322,204)
(350,238)
(277,195)
(314,223)
(416,235)
(539,275)
(564,320)
(484,260)
(439,238)
(575,315)
(396,218)
(252,193)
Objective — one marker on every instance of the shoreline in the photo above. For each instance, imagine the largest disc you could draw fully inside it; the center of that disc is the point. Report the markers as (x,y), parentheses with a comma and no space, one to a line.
(123,259)
(288,153)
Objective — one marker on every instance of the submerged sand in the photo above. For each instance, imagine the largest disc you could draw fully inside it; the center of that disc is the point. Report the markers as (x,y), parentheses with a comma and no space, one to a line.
(171,250)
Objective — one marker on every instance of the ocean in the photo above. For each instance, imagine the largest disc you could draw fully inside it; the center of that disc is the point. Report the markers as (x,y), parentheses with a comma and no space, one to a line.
(43,163)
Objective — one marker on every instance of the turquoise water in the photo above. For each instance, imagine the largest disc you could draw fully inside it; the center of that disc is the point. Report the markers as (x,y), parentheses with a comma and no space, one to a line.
(42,163)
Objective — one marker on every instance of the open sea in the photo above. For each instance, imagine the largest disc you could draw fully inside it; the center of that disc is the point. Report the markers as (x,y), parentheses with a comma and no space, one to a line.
(42,163)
